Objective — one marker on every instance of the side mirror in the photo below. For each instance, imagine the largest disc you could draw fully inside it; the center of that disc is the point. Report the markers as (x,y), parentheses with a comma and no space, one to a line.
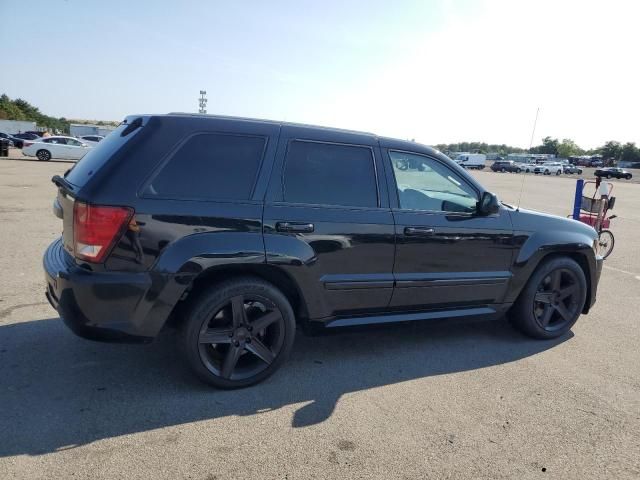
(488,204)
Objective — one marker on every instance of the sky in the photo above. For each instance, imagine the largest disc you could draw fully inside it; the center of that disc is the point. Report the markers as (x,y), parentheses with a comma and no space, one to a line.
(434,71)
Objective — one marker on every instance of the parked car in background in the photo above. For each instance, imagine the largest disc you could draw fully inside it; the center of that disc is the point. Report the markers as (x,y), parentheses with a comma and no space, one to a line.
(596,163)
(67,148)
(568,168)
(472,160)
(549,168)
(34,132)
(237,231)
(527,167)
(506,166)
(26,136)
(613,172)
(15,142)
(91,139)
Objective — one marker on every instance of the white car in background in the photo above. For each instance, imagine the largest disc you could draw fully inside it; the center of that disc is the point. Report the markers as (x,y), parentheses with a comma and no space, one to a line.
(46,148)
(549,168)
(91,139)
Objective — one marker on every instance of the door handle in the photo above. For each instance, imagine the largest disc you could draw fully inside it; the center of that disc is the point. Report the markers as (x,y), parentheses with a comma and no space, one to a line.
(294,227)
(418,231)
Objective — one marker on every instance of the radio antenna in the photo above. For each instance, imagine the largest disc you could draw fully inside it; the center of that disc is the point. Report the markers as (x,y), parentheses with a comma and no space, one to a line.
(533,132)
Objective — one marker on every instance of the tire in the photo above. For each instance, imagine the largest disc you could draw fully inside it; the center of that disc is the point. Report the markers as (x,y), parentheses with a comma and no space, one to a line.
(503,170)
(547,172)
(608,176)
(606,241)
(558,172)
(627,177)
(540,311)
(43,155)
(518,170)
(231,313)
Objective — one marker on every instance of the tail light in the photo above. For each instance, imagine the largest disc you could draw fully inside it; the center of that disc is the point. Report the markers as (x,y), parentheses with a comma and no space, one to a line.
(96,229)
(27,144)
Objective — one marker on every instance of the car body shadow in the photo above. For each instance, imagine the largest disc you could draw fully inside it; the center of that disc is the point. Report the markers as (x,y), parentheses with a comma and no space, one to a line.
(59,391)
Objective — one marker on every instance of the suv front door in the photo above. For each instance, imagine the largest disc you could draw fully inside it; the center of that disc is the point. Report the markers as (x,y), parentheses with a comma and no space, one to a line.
(447,255)
(327,221)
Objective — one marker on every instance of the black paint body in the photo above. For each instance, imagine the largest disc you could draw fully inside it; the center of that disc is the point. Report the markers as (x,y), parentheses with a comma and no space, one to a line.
(357,266)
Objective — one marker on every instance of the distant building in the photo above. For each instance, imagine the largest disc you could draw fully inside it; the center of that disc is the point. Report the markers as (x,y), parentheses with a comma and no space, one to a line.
(80,129)
(17,126)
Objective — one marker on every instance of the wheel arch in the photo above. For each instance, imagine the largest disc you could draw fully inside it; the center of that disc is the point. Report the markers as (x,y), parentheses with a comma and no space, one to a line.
(216,274)
(581,254)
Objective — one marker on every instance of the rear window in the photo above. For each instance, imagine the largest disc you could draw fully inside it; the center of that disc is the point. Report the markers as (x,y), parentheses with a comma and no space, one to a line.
(97,156)
(210,167)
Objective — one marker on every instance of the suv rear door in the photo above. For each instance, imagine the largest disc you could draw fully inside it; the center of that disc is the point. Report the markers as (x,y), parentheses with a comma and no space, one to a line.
(327,220)
(447,255)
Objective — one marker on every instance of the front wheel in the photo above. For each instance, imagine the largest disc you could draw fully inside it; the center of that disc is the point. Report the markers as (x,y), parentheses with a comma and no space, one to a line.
(552,300)
(628,177)
(503,170)
(43,155)
(558,172)
(518,170)
(238,333)
(605,243)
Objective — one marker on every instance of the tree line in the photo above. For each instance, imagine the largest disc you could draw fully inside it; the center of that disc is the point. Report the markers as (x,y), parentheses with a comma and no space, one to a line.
(611,151)
(20,109)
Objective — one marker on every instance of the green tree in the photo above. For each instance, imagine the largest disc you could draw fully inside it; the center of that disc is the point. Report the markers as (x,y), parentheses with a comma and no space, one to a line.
(630,153)
(568,148)
(549,146)
(611,150)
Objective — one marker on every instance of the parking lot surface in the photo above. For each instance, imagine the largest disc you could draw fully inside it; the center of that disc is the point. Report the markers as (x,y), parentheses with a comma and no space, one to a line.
(422,400)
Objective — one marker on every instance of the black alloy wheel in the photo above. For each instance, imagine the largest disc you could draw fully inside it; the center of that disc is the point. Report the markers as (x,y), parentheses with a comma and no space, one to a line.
(552,300)
(43,155)
(239,333)
(556,301)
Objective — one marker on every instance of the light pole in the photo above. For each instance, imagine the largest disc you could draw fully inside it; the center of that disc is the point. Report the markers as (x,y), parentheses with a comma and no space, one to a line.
(202,101)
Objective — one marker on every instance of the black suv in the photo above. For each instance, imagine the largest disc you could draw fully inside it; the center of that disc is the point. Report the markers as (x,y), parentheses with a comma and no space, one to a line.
(236,231)
(506,166)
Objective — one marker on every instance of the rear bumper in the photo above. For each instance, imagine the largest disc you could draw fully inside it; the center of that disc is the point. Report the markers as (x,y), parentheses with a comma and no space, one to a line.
(112,307)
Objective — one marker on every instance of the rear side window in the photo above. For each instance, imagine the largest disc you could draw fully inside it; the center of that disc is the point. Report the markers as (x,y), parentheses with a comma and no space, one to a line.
(98,156)
(329,174)
(210,167)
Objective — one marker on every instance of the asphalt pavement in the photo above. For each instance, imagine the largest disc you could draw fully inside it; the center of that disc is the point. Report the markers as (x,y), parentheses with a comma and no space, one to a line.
(421,400)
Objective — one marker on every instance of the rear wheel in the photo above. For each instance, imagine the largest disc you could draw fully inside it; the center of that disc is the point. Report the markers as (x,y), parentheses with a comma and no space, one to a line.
(605,243)
(518,170)
(558,172)
(503,169)
(552,300)
(43,155)
(238,333)
(608,176)
(627,176)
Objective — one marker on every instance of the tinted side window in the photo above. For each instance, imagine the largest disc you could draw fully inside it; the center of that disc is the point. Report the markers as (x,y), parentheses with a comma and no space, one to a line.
(426,184)
(328,174)
(210,166)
